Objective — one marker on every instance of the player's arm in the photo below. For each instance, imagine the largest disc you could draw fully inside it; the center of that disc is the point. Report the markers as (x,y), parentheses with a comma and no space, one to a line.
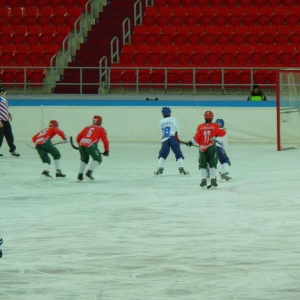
(105,142)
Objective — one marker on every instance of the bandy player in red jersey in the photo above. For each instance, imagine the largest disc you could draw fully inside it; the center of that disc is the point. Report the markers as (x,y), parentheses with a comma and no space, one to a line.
(205,138)
(88,140)
(44,147)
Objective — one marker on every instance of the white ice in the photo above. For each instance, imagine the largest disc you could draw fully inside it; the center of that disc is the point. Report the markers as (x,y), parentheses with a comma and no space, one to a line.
(132,236)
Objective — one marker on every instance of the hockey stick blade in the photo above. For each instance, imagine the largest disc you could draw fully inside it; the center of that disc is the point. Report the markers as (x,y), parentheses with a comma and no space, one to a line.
(72,144)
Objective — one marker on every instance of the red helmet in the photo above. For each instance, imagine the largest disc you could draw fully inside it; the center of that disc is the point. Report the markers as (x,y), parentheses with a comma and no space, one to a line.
(97,120)
(53,123)
(208,115)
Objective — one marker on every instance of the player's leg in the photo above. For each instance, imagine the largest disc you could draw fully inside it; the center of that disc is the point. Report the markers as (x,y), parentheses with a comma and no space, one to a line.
(94,152)
(10,139)
(1,242)
(84,160)
(53,151)
(203,159)
(43,154)
(1,136)
(162,156)
(175,146)
(225,163)
(212,162)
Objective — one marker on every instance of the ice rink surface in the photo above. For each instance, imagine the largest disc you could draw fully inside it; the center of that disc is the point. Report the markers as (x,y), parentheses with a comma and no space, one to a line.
(132,236)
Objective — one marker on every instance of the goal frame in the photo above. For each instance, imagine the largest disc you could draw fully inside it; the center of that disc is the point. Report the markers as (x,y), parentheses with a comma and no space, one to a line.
(278,108)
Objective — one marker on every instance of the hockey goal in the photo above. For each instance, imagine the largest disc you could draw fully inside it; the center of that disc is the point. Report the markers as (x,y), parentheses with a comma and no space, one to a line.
(288,109)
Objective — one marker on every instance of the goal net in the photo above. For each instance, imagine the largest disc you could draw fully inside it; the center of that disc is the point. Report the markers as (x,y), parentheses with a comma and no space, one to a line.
(288,109)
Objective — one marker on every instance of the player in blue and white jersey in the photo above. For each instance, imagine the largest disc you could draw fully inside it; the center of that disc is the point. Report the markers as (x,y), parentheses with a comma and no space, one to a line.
(222,144)
(169,129)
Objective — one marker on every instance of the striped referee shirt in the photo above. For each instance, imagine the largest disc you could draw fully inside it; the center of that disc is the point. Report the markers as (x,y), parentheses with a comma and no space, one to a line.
(4,113)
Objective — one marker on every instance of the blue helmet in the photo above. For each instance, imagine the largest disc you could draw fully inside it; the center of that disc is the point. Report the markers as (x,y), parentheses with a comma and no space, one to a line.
(166,111)
(220,122)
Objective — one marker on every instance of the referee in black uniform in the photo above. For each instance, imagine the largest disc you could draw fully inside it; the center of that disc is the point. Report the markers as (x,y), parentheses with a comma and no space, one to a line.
(5,127)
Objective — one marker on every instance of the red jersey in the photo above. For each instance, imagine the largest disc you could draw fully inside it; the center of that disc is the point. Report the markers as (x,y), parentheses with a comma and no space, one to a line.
(91,135)
(46,134)
(206,133)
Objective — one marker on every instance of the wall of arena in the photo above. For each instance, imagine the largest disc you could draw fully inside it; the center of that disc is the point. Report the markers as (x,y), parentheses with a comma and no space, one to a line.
(137,121)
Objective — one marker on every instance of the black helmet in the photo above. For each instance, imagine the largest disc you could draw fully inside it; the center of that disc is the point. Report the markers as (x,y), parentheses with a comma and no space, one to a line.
(2,89)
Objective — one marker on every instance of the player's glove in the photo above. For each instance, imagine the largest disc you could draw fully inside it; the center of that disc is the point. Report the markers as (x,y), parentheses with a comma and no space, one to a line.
(0,253)
(106,153)
(189,144)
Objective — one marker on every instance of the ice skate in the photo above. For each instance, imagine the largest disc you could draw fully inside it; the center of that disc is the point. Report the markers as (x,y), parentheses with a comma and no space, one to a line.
(182,171)
(1,154)
(213,184)
(225,176)
(80,177)
(88,174)
(203,183)
(46,174)
(16,154)
(159,171)
(60,174)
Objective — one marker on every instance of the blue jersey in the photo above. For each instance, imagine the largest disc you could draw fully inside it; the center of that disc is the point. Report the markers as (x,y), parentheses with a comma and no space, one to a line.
(169,126)
(4,113)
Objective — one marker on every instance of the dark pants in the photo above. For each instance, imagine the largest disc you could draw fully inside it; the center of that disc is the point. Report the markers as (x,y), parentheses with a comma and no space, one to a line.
(6,132)
(208,157)
(170,143)
(46,148)
(93,151)
(222,156)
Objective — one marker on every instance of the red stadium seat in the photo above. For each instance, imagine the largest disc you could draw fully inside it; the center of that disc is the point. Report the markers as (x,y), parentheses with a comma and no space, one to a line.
(14,3)
(280,12)
(159,3)
(59,16)
(150,15)
(236,15)
(167,34)
(139,34)
(210,35)
(5,14)
(214,54)
(231,78)
(74,13)
(174,3)
(48,34)
(199,55)
(8,75)
(196,34)
(207,16)
(295,35)
(34,33)
(202,3)
(45,16)
(8,52)
(215,78)
(231,3)
(157,78)
(245,2)
(127,54)
(35,55)
(152,34)
(179,14)
(249,18)
(286,56)
(164,15)
(50,51)
(82,4)
(41,3)
(7,32)
(142,51)
(283,34)
(17,16)
(173,76)
(245,79)
(259,3)
(181,35)
(239,34)
(129,78)
(185,54)
(70,3)
(228,56)
(268,34)
(62,31)
(115,75)
(188,3)
(37,76)
(20,34)
(31,16)
(265,14)
(254,34)
(156,53)
(260,77)
(221,17)
(243,54)
(274,2)
(193,14)
(55,3)
(258,54)
(293,16)
(187,77)
(170,55)
(272,54)
(225,34)
(202,78)
(21,53)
